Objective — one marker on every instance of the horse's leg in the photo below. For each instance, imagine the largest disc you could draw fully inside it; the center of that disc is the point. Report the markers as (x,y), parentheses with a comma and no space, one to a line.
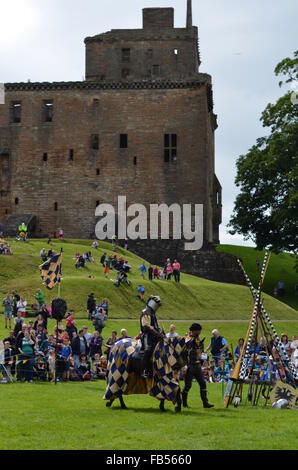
(179,402)
(123,406)
(162,406)
(109,403)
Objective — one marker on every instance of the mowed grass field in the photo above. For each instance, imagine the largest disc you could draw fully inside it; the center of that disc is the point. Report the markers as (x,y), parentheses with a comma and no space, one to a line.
(74,415)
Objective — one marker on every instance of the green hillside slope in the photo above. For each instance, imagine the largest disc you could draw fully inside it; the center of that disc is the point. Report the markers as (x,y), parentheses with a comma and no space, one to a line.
(281,268)
(194,298)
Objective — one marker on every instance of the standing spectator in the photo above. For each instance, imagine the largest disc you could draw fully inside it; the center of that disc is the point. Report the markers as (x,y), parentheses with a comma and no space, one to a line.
(16,298)
(91,305)
(87,335)
(71,324)
(98,320)
(169,271)
(27,350)
(239,348)
(172,333)
(103,258)
(21,306)
(176,271)
(141,292)
(150,273)
(79,346)
(110,343)
(105,306)
(126,244)
(7,362)
(285,341)
(45,314)
(258,263)
(218,345)
(96,345)
(156,273)
(18,323)
(40,299)
(143,270)
(107,265)
(8,309)
(65,356)
(60,233)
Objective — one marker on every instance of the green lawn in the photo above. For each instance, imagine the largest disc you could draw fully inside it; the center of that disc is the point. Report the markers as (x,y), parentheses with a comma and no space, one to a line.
(74,416)
(281,268)
(194,298)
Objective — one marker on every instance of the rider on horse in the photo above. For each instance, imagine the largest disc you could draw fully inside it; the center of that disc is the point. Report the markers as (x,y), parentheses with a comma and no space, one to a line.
(151,332)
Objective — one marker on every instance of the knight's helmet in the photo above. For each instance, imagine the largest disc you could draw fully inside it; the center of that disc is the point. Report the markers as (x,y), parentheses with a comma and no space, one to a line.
(154,303)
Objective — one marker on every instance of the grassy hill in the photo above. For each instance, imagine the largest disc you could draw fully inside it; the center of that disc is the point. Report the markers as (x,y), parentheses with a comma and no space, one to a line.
(281,268)
(194,298)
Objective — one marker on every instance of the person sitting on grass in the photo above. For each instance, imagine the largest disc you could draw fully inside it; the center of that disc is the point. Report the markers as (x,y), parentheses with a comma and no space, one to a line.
(83,370)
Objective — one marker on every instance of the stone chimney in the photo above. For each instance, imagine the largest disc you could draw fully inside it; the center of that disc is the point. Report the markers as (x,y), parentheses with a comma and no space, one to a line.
(189,14)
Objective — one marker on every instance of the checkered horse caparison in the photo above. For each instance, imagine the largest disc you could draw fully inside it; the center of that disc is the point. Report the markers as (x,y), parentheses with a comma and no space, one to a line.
(168,357)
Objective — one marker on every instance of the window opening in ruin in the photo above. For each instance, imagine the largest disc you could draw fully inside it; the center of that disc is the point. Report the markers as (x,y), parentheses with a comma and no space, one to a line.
(135,161)
(170,147)
(97,171)
(45,157)
(48,111)
(125,55)
(56,206)
(16,111)
(71,154)
(16,201)
(123,141)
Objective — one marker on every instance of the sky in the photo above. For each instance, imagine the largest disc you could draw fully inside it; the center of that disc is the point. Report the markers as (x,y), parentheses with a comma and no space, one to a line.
(240,43)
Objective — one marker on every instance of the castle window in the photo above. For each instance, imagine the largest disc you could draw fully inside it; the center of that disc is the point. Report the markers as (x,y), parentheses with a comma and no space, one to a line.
(97,203)
(96,102)
(95,141)
(16,111)
(135,161)
(123,141)
(71,154)
(217,198)
(97,172)
(125,73)
(170,147)
(45,157)
(48,110)
(56,206)
(16,201)
(156,70)
(126,55)
(176,52)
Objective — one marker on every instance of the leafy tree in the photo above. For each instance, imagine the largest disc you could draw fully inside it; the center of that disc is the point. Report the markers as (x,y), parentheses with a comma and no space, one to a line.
(266,208)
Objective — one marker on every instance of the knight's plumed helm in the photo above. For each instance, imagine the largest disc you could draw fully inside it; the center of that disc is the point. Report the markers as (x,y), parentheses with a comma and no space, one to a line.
(154,303)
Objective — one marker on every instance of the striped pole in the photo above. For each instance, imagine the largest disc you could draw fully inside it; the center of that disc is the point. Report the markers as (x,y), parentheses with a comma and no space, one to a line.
(229,391)
(243,368)
(284,355)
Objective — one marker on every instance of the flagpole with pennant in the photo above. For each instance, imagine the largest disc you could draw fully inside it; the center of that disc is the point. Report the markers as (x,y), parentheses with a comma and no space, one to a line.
(51,274)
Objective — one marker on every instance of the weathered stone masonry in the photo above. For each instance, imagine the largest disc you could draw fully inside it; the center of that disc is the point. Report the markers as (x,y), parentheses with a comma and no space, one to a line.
(60,144)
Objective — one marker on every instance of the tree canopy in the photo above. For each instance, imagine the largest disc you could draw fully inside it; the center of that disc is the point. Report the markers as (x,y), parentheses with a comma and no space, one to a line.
(266,208)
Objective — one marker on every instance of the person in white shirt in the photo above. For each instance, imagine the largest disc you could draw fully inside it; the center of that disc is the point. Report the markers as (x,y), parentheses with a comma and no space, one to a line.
(21,306)
(172,333)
